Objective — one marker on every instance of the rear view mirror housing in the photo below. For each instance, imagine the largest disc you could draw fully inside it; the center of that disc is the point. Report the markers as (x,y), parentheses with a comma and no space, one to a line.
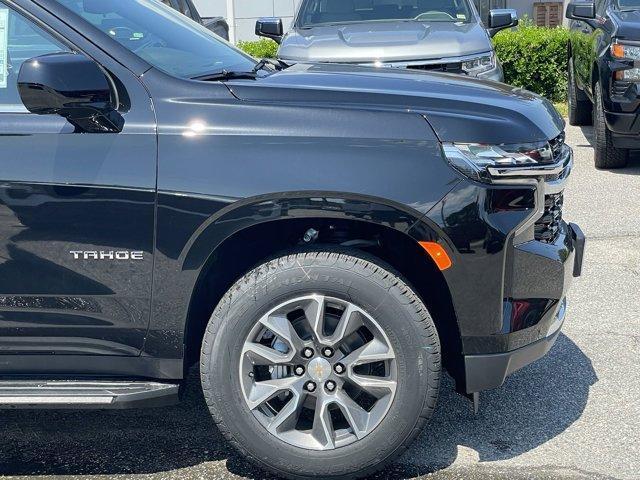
(270,27)
(581,11)
(72,86)
(501,18)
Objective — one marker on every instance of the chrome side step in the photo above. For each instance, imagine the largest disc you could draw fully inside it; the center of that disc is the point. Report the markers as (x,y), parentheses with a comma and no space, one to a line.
(85,394)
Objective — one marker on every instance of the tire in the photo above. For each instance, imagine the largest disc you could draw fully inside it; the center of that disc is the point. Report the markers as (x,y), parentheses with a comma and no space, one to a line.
(605,154)
(373,289)
(580,108)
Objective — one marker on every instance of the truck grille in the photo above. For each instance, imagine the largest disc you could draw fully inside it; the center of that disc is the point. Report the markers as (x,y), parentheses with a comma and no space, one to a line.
(547,227)
(438,67)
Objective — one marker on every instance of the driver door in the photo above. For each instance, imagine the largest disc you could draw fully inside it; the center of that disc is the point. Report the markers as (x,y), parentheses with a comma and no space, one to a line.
(76,213)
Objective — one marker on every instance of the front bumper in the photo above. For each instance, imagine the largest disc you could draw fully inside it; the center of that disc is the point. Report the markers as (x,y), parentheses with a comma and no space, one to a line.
(625,129)
(488,371)
(513,261)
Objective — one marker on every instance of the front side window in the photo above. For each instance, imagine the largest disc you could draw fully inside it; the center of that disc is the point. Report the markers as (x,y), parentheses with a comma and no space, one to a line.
(629,4)
(20,40)
(162,36)
(327,12)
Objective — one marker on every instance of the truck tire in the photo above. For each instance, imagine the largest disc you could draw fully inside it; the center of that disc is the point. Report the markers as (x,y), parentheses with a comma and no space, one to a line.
(265,343)
(606,155)
(580,108)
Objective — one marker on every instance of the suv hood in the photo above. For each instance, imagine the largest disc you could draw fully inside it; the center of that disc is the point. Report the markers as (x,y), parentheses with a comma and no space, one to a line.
(387,41)
(627,24)
(459,108)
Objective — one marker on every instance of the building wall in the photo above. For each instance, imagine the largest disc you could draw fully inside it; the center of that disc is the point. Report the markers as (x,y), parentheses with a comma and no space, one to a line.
(246,12)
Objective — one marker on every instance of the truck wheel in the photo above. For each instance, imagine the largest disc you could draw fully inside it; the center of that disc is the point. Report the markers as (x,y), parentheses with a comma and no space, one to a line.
(606,155)
(580,108)
(321,364)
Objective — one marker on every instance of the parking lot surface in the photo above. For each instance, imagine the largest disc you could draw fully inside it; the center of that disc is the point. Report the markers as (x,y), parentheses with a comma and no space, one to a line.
(574,414)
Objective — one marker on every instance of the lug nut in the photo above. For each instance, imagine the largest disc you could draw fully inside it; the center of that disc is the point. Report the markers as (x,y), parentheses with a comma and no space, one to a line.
(299,370)
(307,352)
(310,386)
(330,386)
(338,368)
(327,352)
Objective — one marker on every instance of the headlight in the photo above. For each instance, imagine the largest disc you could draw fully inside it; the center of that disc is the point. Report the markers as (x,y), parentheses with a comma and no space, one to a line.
(627,52)
(474,160)
(621,50)
(480,64)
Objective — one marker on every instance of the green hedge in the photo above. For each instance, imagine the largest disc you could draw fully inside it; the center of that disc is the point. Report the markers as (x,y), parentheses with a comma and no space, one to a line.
(263,48)
(535,58)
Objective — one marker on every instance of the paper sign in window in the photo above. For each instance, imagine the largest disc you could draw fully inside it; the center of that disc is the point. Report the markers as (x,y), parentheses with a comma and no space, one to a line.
(4,46)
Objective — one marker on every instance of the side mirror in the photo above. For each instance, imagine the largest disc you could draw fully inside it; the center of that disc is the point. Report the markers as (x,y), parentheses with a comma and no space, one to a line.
(72,86)
(270,27)
(581,11)
(501,18)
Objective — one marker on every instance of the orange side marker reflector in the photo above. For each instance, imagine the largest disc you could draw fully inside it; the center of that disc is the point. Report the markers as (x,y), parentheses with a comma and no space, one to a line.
(617,50)
(437,254)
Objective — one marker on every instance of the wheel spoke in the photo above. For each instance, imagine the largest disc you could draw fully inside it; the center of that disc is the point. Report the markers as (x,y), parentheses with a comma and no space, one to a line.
(287,417)
(260,392)
(314,312)
(281,326)
(373,351)
(357,416)
(322,430)
(376,386)
(349,322)
(263,355)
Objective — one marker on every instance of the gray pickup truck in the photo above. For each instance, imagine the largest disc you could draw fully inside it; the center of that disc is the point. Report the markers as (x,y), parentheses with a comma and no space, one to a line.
(437,35)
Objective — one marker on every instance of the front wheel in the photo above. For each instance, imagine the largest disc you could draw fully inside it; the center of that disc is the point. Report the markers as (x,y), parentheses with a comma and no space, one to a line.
(606,155)
(321,364)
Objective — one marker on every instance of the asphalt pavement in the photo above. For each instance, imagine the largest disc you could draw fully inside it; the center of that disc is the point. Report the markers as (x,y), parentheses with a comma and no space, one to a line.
(575,414)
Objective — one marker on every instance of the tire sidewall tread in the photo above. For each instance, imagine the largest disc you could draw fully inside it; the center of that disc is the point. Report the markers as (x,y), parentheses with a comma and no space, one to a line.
(262,285)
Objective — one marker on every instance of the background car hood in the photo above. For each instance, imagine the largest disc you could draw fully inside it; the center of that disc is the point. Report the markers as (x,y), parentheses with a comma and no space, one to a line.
(386,41)
(628,24)
(459,108)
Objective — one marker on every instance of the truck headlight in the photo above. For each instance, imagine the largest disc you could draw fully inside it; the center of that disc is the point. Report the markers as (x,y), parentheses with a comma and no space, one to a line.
(475,160)
(623,51)
(480,64)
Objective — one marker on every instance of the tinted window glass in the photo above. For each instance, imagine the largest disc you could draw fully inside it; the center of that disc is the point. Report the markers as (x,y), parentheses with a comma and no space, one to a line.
(162,36)
(20,40)
(629,4)
(318,12)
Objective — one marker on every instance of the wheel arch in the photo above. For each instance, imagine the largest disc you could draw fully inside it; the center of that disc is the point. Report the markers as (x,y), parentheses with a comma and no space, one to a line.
(259,229)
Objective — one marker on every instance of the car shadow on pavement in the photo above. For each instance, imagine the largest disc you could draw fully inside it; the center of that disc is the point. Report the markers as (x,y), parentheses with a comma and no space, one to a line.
(633,168)
(533,406)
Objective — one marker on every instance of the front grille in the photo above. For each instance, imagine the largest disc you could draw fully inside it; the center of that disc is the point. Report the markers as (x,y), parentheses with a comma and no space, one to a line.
(619,88)
(547,227)
(455,67)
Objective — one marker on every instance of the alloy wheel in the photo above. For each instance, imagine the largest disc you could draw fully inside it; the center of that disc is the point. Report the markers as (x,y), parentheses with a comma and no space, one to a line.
(318,372)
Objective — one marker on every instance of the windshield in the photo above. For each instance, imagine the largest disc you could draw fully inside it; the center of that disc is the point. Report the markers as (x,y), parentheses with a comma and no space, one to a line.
(163,37)
(629,4)
(327,12)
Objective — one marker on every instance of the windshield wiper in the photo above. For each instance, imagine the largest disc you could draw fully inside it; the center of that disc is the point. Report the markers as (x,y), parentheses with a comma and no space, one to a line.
(269,62)
(226,75)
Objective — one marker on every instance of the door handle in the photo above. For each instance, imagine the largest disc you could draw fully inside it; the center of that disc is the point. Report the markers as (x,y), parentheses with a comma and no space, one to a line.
(586,30)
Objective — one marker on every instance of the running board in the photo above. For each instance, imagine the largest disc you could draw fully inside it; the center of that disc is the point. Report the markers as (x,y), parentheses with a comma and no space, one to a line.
(86,394)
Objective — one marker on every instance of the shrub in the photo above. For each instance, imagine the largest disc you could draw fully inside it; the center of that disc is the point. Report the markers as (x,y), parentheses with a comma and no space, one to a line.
(263,48)
(535,58)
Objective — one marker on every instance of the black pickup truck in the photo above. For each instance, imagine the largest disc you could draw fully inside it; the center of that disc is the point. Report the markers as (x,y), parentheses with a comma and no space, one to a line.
(604,76)
(321,239)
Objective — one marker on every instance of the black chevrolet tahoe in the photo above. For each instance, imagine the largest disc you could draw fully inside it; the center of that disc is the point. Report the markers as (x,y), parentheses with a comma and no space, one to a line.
(604,76)
(321,239)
